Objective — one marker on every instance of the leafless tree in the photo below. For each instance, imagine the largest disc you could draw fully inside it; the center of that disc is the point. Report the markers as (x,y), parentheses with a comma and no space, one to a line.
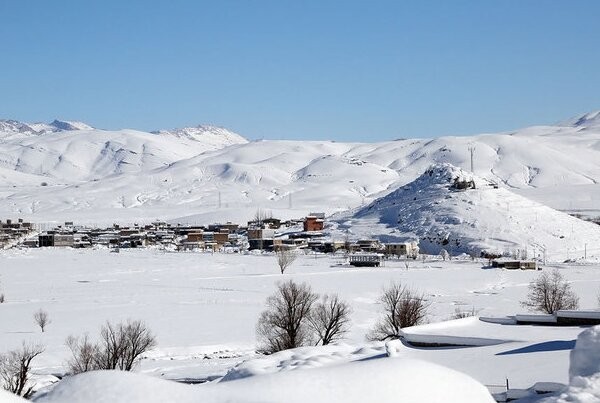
(84,354)
(285,258)
(15,369)
(262,215)
(1,298)
(42,319)
(402,307)
(284,324)
(121,346)
(330,319)
(549,293)
(444,254)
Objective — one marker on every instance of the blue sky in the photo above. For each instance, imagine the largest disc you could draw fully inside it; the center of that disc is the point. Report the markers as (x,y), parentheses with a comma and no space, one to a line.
(341,70)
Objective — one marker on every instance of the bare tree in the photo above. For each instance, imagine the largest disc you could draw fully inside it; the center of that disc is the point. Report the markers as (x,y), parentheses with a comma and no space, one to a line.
(549,293)
(444,254)
(285,258)
(330,319)
(138,340)
(121,347)
(84,354)
(15,369)
(284,324)
(402,307)
(42,319)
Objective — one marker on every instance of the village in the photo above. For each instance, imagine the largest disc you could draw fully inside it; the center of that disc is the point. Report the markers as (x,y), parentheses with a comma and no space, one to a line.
(261,234)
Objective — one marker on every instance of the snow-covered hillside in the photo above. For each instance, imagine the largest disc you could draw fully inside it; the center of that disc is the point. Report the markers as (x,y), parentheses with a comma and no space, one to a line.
(207,173)
(448,208)
(75,152)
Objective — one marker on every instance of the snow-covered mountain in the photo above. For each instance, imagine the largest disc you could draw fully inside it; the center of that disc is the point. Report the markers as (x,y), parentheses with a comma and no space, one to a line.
(9,126)
(207,173)
(73,151)
(217,136)
(586,120)
(449,208)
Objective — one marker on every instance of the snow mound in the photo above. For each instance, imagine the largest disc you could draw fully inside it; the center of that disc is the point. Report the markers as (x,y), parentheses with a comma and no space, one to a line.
(585,357)
(7,397)
(382,380)
(449,208)
(584,372)
(300,358)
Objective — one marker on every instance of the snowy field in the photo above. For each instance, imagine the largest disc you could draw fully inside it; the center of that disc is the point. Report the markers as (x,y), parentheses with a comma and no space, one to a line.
(203,309)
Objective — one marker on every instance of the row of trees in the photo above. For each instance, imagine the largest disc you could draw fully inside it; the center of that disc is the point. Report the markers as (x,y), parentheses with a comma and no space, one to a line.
(296,316)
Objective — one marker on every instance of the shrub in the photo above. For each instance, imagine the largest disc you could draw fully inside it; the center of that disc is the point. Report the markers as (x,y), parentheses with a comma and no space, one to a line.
(15,369)
(549,293)
(121,347)
(402,307)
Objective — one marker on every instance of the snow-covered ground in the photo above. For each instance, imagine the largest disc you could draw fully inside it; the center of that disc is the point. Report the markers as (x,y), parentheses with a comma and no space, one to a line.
(203,309)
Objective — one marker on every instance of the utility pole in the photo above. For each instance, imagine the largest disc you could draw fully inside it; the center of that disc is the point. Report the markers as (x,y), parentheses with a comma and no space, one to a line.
(472,151)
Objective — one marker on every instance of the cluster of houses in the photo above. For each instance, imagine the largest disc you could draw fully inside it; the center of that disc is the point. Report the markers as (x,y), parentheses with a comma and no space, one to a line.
(266,233)
(11,233)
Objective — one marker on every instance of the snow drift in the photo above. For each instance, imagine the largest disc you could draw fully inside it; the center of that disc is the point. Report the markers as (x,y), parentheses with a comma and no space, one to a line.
(382,380)
(584,371)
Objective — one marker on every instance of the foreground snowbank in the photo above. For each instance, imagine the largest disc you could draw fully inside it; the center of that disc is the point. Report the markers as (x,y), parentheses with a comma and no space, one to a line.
(584,371)
(381,380)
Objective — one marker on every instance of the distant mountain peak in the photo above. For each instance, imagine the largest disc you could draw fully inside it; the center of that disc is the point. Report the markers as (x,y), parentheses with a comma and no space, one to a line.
(204,133)
(17,127)
(67,125)
(585,120)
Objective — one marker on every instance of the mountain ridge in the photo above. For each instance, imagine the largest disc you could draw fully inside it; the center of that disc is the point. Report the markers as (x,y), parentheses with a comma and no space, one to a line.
(114,175)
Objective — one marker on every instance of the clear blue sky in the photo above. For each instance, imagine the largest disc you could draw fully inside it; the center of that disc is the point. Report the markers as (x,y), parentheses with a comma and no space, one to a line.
(342,70)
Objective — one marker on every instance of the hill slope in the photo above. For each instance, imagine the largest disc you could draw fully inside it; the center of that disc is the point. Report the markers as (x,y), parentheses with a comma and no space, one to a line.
(479,218)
